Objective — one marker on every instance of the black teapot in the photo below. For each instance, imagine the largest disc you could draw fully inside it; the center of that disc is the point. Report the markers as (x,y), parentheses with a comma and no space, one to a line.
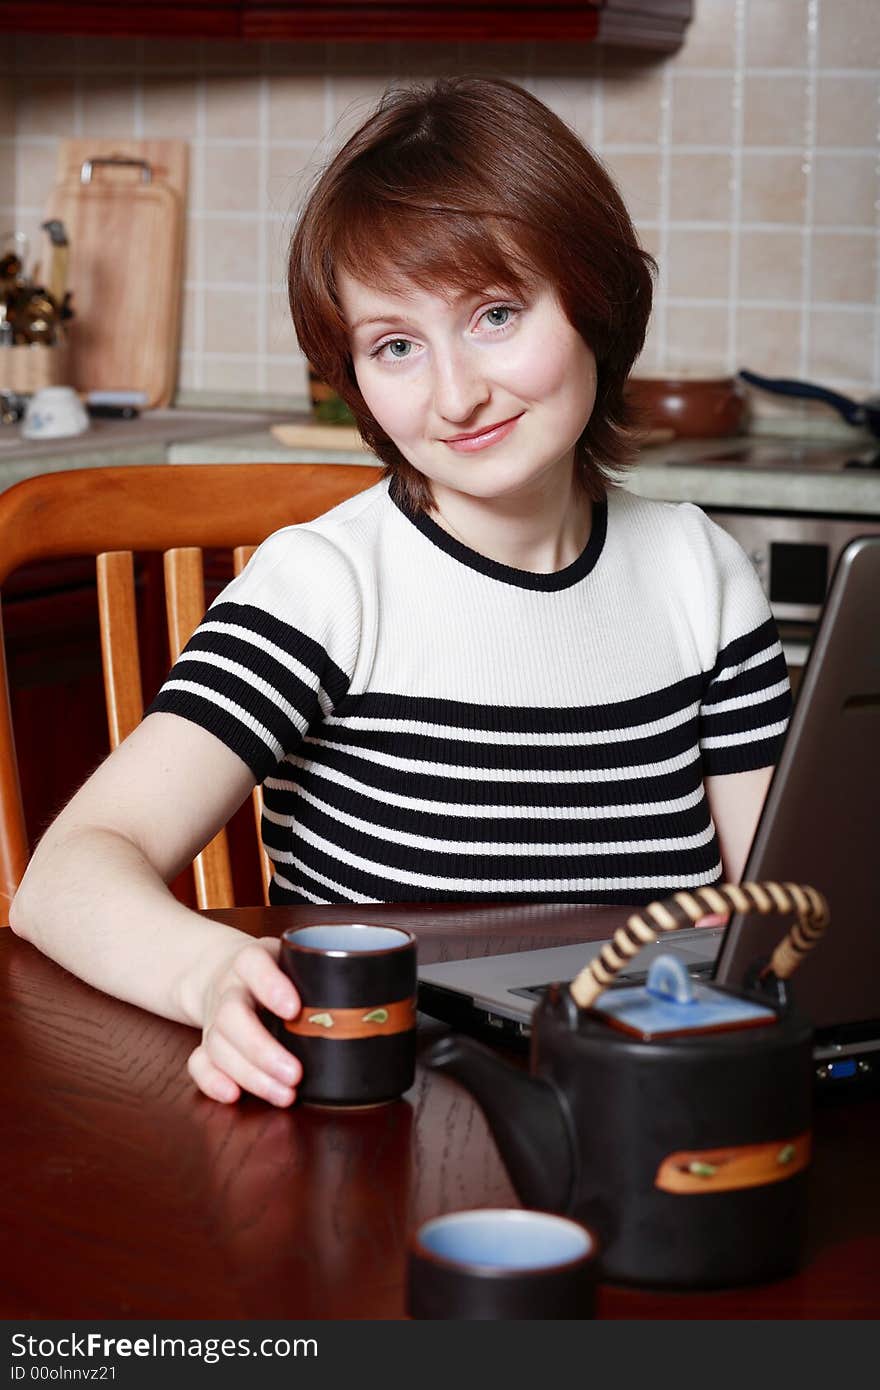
(673,1120)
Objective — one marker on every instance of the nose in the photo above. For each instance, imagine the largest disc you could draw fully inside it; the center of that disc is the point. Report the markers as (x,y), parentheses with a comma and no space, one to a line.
(460,385)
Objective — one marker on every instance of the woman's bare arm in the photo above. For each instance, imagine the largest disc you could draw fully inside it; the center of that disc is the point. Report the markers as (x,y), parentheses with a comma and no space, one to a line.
(735,801)
(95,898)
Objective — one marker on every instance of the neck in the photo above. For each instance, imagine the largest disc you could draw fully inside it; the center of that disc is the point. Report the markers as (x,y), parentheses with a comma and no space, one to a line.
(543,531)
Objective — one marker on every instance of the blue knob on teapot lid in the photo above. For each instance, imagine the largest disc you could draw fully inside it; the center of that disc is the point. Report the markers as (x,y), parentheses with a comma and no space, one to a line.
(671,1003)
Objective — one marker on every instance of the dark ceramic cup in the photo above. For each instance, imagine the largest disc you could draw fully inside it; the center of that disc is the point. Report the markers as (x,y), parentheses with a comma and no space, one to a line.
(355,1034)
(504,1264)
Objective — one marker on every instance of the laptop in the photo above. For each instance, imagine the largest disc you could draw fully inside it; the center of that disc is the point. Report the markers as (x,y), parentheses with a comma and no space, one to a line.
(820,825)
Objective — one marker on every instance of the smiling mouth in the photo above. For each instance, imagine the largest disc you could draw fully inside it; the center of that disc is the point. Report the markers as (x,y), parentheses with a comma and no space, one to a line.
(486,434)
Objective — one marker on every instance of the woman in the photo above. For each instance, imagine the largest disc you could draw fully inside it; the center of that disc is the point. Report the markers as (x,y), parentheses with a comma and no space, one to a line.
(494,675)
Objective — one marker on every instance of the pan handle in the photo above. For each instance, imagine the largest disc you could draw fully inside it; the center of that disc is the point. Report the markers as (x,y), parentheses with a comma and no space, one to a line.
(85,173)
(851,411)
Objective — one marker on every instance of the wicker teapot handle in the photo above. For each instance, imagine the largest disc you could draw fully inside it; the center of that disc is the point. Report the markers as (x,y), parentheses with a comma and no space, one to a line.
(685,910)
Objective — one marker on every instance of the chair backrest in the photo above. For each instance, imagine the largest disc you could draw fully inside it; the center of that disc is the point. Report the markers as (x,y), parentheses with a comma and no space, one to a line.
(113,513)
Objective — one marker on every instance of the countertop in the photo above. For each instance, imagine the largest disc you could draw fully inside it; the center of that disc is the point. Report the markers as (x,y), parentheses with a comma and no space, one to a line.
(706,472)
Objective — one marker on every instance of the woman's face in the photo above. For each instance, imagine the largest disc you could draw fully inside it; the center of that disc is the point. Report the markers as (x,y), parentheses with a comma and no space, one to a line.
(484,394)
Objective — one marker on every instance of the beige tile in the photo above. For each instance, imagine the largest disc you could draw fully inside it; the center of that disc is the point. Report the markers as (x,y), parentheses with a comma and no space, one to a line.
(232,108)
(290,175)
(232,250)
(193,250)
(846,189)
(773,187)
(710,39)
(847,110)
(840,346)
(769,340)
(290,379)
(638,178)
(849,34)
(770,265)
(702,109)
(296,107)
(189,373)
(648,361)
(231,178)
(576,59)
(843,268)
(698,264)
(571,98)
(189,341)
(95,52)
(44,105)
(699,187)
(276,237)
(631,105)
(696,339)
(353,99)
(170,107)
(34,173)
(231,321)
(776,33)
(238,378)
(774,110)
(108,106)
(170,54)
(280,335)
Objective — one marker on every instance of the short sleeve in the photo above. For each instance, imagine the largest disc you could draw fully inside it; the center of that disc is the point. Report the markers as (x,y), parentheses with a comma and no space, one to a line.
(746,699)
(274,653)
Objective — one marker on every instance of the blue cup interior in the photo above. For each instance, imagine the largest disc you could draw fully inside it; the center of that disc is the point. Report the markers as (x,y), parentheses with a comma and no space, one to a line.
(505,1240)
(347,940)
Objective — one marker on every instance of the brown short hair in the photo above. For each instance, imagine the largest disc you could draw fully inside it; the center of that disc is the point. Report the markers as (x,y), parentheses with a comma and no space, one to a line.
(466,184)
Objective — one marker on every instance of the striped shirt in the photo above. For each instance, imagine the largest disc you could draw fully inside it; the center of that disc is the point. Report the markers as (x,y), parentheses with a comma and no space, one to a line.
(429,724)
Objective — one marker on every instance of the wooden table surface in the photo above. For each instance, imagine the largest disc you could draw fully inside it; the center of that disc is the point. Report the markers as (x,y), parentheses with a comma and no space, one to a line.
(126,1194)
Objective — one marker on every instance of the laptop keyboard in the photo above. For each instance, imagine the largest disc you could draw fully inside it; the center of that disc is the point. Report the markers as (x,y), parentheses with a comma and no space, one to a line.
(625,980)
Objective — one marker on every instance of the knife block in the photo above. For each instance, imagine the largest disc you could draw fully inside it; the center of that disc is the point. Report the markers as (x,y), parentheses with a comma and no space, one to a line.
(30,367)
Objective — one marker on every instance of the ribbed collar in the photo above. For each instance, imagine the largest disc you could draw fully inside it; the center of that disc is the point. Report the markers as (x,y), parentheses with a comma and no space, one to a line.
(508,574)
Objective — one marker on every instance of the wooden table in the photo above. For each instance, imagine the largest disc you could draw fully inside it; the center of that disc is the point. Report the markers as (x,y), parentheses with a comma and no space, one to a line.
(126,1194)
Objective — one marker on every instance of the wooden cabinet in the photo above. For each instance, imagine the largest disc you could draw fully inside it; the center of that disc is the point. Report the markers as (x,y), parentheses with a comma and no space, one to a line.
(56,689)
(658,24)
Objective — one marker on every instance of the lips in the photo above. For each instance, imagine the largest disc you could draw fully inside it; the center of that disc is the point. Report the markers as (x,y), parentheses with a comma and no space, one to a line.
(468,443)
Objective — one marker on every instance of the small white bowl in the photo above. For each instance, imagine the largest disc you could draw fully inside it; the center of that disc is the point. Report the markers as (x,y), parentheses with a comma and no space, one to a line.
(54,412)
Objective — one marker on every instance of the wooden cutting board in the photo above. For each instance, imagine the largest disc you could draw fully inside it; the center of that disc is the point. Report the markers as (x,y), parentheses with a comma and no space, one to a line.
(309,435)
(125,264)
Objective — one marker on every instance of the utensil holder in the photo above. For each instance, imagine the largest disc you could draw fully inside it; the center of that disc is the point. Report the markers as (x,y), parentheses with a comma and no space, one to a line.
(28,368)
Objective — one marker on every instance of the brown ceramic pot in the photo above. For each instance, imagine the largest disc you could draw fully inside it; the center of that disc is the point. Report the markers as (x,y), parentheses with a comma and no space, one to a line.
(693,408)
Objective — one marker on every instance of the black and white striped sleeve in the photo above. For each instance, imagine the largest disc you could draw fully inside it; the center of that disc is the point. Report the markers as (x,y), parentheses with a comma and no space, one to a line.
(746,702)
(272,656)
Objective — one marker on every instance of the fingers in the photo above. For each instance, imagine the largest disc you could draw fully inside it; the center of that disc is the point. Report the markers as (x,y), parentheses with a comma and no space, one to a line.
(257,969)
(237,1051)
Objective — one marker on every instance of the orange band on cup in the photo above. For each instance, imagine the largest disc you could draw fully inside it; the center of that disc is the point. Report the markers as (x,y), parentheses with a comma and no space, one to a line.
(725,1170)
(342,1024)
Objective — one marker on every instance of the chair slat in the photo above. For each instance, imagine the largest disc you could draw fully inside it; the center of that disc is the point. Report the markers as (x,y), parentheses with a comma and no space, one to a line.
(185,608)
(117,616)
(240,556)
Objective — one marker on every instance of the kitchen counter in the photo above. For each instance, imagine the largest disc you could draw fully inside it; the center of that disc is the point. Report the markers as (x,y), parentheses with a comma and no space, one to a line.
(675,472)
(708,472)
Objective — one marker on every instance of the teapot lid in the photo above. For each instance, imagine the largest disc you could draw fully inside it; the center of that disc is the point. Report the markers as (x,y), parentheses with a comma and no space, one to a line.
(672,1004)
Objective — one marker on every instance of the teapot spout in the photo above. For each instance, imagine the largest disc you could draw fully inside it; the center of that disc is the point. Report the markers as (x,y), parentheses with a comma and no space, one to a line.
(525,1116)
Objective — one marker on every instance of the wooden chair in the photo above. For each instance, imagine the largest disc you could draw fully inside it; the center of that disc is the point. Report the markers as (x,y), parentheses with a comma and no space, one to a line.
(112,513)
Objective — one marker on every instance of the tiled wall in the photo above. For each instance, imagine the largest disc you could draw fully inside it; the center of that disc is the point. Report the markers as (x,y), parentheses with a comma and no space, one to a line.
(749,161)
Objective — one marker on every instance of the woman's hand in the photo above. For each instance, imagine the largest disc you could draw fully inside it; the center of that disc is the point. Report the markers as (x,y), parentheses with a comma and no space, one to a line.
(237,1053)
